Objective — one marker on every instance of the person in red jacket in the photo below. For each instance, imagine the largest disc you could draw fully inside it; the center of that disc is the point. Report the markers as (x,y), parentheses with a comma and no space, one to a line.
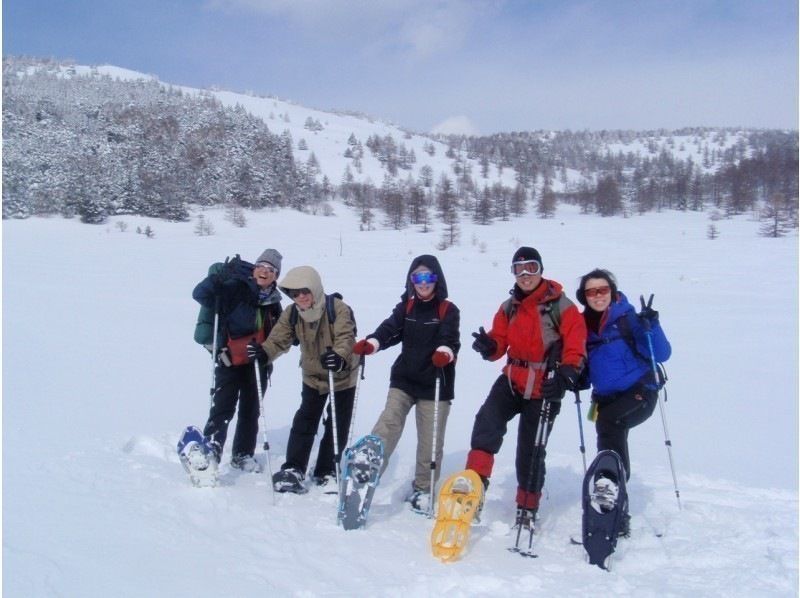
(543,338)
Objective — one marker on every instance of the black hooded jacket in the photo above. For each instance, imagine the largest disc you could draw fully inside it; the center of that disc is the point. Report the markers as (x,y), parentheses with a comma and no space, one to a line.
(416,325)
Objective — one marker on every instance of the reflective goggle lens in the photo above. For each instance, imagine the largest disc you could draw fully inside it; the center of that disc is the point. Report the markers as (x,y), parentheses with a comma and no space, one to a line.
(424,278)
(529,267)
(597,292)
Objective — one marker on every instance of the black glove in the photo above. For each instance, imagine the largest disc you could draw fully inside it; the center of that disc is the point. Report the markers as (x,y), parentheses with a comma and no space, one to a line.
(218,279)
(648,314)
(256,352)
(564,378)
(484,344)
(332,361)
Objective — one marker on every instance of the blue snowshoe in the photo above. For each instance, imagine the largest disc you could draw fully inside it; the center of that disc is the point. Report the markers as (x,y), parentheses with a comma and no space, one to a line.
(199,456)
(361,472)
(605,507)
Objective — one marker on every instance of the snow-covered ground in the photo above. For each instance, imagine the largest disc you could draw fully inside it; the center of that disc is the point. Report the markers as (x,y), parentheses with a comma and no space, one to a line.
(100,374)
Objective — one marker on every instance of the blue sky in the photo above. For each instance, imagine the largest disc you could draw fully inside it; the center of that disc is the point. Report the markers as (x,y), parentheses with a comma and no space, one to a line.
(480,66)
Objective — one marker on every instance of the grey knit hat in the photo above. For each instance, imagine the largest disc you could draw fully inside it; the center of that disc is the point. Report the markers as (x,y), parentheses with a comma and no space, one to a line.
(271,256)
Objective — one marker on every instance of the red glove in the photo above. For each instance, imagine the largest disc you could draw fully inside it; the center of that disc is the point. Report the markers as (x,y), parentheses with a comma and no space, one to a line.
(363,347)
(440,359)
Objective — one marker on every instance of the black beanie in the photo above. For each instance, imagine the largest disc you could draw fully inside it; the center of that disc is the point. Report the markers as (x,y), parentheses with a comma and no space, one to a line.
(523,254)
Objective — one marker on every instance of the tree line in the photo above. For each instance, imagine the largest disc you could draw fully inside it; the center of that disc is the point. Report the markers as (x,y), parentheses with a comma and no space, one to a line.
(95,147)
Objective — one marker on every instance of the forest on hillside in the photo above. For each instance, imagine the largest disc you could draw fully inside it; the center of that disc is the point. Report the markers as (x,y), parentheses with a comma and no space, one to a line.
(96,147)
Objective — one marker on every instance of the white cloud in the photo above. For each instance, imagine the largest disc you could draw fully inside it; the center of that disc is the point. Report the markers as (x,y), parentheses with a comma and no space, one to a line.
(420,28)
(455,125)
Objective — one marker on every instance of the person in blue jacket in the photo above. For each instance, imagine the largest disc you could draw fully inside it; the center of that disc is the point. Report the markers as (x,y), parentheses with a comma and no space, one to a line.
(620,370)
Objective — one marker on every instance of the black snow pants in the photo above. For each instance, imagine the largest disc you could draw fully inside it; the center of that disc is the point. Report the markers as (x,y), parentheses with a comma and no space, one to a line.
(304,429)
(617,414)
(491,423)
(236,384)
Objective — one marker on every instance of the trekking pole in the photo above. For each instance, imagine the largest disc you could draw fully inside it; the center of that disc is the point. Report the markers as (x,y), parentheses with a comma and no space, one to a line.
(436,391)
(332,398)
(213,388)
(361,364)
(580,429)
(264,424)
(540,441)
(552,359)
(667,441)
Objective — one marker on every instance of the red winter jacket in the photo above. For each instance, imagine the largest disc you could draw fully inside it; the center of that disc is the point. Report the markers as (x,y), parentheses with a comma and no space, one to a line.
(530,333)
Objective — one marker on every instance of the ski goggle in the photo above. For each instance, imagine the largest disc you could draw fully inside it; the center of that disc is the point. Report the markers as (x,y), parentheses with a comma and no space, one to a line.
(597,292)
(424,278)
(529,267)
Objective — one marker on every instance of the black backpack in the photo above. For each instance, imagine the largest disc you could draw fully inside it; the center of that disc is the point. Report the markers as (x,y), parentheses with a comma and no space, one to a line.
(231,268)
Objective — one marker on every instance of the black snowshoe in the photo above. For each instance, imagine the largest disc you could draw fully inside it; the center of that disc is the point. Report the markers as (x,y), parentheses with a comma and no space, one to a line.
(605,507)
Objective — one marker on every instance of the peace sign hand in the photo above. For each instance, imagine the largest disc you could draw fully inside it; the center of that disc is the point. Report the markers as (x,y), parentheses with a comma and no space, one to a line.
(647,313)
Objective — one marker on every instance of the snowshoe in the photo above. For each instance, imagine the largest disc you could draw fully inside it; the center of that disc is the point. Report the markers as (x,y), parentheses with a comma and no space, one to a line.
(459,500)
(199,456)
(361,473)
(289,480)
(605,502)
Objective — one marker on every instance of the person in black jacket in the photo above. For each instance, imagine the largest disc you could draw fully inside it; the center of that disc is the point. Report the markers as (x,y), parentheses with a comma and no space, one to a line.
(427,325)
(247,301)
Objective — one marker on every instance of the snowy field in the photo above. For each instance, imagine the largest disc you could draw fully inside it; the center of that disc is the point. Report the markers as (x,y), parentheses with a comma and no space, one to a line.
(100,375)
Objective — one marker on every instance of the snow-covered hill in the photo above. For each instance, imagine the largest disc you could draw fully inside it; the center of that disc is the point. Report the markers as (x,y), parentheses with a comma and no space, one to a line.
(100,374)
(328,137)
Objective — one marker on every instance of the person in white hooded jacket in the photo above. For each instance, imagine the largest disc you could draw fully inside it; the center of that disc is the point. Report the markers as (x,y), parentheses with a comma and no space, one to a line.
(324,328)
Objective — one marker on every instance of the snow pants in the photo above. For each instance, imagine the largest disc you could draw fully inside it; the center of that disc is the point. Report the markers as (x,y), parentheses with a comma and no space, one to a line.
(391,422)
(236,384)
(490,426)
(617,414)
(306,423)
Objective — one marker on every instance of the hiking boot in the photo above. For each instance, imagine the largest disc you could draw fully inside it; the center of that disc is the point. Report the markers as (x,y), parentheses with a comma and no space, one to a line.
(289,480)
(604,497)
(419,500)
(325,481)
(526,518)
(462,485)
(214,451)
(246,463)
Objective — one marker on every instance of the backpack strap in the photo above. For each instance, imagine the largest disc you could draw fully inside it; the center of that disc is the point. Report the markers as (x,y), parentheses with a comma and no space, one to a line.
(330,310)
(551,308)
(444,304)
(626,331)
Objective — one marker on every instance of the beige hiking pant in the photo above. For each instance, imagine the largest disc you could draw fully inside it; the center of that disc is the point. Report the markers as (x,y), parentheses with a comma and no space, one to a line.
(391,422)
